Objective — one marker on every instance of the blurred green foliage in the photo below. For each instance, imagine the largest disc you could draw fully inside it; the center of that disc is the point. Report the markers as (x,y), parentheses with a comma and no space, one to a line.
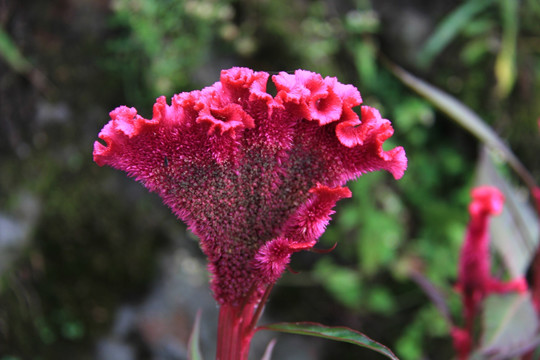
(87,257)
(172,38)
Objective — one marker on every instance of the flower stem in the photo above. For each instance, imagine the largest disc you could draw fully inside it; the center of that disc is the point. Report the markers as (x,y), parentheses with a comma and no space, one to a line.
(236,326)
(235,331)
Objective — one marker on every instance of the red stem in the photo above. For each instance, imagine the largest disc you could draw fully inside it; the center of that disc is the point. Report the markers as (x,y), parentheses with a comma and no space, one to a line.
(260,308)
(236,326)
(234,332)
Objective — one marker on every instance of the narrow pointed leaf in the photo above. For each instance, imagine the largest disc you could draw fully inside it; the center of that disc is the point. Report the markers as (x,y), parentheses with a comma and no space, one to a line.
(338,333)
(465,117)
(433,293)
(194,350)
(505,64)
(447,30)
(11,54)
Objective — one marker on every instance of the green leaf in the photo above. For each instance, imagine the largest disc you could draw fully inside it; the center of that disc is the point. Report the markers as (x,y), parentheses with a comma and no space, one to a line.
(474,50)
(505,64)
(515,232)
(365,55)
(339,333)
(11,54)
(194,350)
(449,28)
(509,323)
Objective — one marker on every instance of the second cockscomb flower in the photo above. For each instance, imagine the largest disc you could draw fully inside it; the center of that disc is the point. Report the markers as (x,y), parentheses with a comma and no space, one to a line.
(475,281)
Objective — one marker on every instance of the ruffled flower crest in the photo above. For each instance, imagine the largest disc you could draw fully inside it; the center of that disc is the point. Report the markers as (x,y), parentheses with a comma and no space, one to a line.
(255,177)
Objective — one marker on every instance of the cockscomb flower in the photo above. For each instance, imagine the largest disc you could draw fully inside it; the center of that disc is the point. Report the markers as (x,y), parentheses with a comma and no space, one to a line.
(254,176)
(474,274)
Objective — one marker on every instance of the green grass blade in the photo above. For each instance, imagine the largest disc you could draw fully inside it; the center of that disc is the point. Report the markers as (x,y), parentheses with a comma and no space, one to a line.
(339,333)
(194,349)
(11,54)
(449,28)
(505,64)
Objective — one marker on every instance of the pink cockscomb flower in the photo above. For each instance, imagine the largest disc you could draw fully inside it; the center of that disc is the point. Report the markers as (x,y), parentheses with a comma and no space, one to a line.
(475,281)
(255,177)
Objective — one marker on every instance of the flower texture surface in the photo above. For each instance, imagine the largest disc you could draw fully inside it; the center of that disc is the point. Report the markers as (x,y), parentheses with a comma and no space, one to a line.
(254,176)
